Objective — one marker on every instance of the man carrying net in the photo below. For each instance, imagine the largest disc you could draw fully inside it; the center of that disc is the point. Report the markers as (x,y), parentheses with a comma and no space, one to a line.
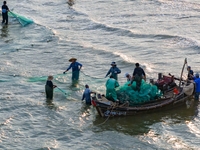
(5,10)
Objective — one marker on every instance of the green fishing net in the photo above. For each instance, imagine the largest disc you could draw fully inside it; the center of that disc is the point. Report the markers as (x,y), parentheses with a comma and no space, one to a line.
(57,78)
(22,20)
(147,92)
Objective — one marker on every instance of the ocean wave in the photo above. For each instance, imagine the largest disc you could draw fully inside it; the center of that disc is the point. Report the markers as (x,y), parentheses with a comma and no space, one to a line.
(181,5)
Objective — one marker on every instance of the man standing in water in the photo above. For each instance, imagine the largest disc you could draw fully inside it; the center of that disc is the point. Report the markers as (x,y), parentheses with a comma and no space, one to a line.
(197,86)
(86,95)
(114,70)
(138,75)
(5,10)
(49,88)
(76,67)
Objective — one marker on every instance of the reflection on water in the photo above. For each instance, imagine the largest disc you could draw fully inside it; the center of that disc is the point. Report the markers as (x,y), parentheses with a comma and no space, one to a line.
(141,123)
(4,31)
(86,114)
(75,83)
(85,110)
(50,104)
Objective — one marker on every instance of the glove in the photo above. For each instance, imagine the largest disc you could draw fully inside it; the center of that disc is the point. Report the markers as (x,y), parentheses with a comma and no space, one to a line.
(63,72)
(115,72)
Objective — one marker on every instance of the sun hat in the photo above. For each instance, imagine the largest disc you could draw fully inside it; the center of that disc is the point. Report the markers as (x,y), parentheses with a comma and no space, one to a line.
(50,77)
(70,60)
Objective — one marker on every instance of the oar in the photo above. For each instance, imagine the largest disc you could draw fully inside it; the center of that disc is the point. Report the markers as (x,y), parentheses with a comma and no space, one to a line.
(62,91)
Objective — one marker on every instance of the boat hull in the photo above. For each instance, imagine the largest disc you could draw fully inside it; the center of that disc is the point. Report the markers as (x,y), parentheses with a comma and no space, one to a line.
(106,109)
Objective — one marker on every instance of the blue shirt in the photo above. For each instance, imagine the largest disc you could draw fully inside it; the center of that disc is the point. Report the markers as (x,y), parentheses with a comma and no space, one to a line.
(86,95)
(197,83)
(114,71)
(75,66)
(4,8)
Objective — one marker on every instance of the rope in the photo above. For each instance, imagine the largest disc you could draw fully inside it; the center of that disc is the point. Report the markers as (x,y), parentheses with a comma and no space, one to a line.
(124,104)
(91,76)
(113,106)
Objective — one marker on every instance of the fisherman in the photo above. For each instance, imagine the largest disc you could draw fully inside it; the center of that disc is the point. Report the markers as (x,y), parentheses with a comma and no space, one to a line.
(49,88)
(5,10)
(190,73)
(114,70)
(70,2)
(86,95)
(197,86)
(76,67)
(138,75)
(128,77)
(111,84)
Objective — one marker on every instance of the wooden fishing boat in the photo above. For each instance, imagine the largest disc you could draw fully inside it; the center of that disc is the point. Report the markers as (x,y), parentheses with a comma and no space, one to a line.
(173,97)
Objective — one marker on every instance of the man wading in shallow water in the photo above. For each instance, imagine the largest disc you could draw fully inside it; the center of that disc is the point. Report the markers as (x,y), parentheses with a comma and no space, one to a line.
(5,10)
(197,86)
(49,88)
(76,67)
(86,95)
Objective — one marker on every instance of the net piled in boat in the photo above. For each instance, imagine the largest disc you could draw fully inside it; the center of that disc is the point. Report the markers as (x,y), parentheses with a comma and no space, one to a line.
(147,92)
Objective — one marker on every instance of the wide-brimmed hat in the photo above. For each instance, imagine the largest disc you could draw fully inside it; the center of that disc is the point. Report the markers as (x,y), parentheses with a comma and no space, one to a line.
(50,77)
(113,63)
(70,60)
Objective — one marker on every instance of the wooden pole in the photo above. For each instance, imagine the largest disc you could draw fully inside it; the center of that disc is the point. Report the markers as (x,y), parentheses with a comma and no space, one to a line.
(185,62)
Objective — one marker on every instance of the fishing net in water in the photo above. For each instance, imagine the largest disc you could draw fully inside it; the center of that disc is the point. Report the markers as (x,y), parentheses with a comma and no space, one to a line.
(146,93)
(22,20)
(58,77)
